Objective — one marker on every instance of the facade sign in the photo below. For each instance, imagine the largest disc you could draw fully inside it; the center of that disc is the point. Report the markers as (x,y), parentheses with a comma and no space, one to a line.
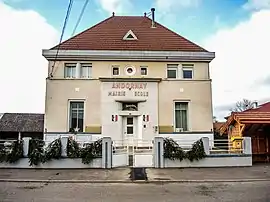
(121,87)
(129,85)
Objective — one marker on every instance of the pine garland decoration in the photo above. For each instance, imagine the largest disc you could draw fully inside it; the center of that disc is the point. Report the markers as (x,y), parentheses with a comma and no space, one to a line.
(36,153)
(91,151)
(197,151)
(73,149)
(173,151)
(15,153)
(53,151)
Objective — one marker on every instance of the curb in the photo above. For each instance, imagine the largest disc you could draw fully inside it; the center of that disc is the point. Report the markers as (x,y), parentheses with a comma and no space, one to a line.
(129,181)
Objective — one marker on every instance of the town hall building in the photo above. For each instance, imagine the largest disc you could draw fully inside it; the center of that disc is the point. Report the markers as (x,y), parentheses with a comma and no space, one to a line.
(128,77)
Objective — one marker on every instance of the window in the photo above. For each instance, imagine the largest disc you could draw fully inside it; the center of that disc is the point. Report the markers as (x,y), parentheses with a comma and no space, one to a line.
(143,70)
(70,70)
(115,70)
(130,36)
(187,71)
(181,116)
(172,71)
(86,70)
(130,70)
(130,125)
(76,116)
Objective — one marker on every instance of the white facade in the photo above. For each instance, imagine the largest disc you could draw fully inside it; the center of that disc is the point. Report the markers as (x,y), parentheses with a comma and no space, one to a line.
(119,123)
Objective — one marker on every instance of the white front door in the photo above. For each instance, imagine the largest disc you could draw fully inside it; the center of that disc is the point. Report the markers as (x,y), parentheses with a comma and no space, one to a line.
(129,127)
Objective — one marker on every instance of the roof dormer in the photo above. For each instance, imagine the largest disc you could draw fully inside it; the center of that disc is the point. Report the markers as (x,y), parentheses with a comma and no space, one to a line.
(130,36)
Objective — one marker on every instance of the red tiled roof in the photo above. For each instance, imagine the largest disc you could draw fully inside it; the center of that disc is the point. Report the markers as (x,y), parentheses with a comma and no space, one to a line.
(261,108)
(217,125)
(251,115)
(247,117)
(108,35)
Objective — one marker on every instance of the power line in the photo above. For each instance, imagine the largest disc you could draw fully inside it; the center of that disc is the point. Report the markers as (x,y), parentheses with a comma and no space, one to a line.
(62,34)
(80,17)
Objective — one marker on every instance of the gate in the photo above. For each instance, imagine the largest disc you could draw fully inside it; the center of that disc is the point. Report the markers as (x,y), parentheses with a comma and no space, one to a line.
(119,153)
(133,153)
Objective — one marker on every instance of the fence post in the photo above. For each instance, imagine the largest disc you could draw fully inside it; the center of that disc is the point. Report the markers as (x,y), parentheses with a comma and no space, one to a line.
(247,148)
(106,152)
(158,152)
(64,142)
(205,141)
(26,141)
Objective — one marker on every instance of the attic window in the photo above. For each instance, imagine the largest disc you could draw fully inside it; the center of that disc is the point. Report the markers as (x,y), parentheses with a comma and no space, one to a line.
(130,36)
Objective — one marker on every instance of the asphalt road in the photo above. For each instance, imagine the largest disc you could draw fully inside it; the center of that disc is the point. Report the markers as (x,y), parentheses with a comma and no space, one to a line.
(193,192)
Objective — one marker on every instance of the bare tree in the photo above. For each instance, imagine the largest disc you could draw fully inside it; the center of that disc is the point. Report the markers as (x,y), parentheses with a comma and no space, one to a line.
(243,105)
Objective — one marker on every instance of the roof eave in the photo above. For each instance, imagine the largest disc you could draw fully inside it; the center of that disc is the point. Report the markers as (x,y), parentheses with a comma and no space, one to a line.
(129,55)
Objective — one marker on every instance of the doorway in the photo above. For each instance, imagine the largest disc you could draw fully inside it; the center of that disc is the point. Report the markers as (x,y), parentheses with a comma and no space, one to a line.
(129,127)
(129,136)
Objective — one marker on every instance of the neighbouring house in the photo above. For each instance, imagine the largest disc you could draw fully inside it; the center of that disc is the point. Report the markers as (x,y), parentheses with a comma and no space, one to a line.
(217,125)
(18,125)
(129,77)
(254,123)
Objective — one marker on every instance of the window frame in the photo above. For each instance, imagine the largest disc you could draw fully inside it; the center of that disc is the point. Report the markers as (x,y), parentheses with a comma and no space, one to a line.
(89,65)
(188,117)
(69,113)
(146,70)
(188,67)
(118,67)
(173,67)
(68,66)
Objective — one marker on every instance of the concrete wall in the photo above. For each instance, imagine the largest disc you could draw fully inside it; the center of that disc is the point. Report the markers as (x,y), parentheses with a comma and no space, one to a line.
(212,161)
(155,69)
(58,95)
(199,98)
(143,160)
(79,137)
(197,94)
(55,164)
(217,160)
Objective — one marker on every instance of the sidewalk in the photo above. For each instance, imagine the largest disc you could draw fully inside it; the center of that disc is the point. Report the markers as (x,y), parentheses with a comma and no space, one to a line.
(257,172)
(121,175)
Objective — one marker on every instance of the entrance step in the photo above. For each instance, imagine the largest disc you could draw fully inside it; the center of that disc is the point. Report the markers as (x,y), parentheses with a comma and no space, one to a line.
(138,174)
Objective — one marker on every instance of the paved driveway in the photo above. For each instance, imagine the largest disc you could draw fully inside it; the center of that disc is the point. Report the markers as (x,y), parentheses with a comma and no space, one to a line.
(130,192)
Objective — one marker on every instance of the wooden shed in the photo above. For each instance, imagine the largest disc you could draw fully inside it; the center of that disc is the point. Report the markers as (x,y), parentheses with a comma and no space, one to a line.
(254,123)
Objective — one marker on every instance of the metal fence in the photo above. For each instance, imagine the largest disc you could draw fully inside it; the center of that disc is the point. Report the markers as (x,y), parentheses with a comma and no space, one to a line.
(226,146)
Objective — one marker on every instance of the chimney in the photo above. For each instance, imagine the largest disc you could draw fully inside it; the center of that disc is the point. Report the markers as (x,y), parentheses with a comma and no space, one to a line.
(255,104)
(153,17)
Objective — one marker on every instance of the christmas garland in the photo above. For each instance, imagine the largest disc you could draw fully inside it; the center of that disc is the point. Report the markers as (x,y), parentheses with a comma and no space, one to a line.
(87,154)
(12,153)
(173,151)
(73,149)
(36,152)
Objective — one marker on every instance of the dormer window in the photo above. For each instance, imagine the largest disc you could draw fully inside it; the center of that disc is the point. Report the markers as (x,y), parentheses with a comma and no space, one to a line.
(130,36)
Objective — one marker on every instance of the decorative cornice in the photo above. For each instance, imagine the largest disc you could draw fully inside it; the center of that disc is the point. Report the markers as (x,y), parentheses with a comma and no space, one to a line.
(129,55)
